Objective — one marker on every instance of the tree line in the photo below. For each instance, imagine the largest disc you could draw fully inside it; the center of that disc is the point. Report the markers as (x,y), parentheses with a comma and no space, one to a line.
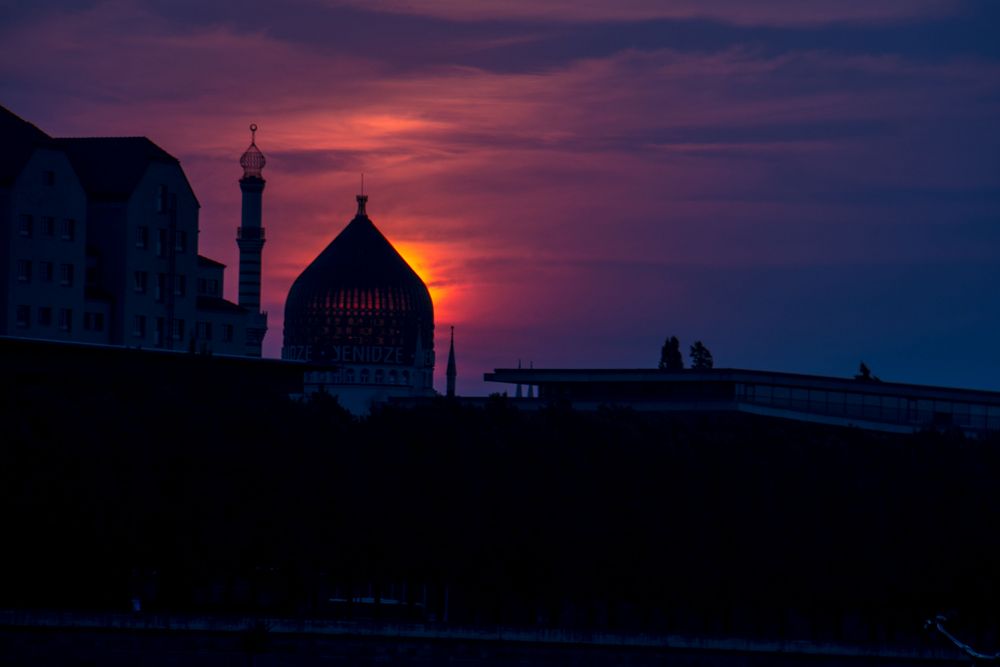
(672,360)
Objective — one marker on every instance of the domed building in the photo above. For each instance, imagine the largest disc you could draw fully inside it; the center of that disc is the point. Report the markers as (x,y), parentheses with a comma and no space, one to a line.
(360,310)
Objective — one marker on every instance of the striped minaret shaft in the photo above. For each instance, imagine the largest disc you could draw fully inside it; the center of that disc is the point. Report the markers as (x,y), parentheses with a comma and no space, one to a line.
(250,239)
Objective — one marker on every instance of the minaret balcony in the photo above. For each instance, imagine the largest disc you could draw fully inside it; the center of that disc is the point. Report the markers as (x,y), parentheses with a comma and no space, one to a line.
(250,233)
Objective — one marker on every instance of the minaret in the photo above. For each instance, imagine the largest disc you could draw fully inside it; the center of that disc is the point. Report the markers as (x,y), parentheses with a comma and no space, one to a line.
(250,239)
(452,372)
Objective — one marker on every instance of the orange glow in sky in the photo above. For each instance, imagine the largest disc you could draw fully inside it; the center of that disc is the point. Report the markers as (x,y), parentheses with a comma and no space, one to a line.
(575,180)
(421,258)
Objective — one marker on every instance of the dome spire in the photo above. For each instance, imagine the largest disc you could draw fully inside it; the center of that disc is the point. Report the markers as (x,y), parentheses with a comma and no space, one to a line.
(452,372)
(252,160)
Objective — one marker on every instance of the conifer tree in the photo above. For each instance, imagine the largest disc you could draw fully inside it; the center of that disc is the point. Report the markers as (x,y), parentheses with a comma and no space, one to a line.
(701,357)
(670,355)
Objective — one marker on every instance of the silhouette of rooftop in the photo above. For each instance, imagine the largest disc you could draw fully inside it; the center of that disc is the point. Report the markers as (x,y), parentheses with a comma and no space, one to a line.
(358,274)
(219,304)
(18,139)
(110,168)
(205,261)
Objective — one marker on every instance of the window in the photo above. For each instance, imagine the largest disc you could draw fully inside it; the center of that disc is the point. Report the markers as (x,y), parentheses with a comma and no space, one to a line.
(48,226)
(161,242)
(45,316)
(205,330)
(180,241)
(160,331)
(364,376)
(178,329)
(93,321)
(161,199)
(66,274)
(65,319)
(180,285)
(46,271)
(379,376)
(139,326)
(161,286)
(68,229)
(141,282)
(227,333)
(142,237)
(24,226)
(23,317)
(208,286)
(24,270)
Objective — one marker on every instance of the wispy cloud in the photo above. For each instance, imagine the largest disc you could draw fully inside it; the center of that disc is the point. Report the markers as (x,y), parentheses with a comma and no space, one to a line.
(544,183)
(775,12)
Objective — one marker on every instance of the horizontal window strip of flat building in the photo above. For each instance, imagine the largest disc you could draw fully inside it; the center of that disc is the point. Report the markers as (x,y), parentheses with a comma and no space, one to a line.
(896,409)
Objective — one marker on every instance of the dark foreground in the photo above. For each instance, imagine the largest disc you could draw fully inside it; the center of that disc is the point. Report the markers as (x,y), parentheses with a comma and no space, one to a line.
(109,640)
(190,489)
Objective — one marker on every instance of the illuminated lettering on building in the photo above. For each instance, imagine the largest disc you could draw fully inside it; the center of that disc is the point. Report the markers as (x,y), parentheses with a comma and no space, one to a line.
(348,354)
(364,354)
(297,352)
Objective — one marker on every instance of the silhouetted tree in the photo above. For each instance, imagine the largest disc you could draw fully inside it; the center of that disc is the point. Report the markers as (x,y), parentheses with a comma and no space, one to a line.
(701,357)
(670,355)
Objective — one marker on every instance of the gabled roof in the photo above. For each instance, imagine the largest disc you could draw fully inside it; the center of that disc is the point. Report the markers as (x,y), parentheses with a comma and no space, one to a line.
(210,263)
(18,140)
(110,168)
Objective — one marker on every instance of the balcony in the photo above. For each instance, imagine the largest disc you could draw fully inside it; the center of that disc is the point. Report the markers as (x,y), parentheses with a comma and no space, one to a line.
(249,233)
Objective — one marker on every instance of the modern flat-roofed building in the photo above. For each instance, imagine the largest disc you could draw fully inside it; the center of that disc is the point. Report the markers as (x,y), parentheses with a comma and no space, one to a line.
(861,402)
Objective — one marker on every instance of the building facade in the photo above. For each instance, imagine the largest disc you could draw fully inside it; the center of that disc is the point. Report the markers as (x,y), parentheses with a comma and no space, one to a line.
(99,240)
(859,402)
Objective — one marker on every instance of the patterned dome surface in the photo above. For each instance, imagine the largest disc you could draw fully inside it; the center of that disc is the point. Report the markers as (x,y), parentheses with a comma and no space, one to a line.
(358,302)
(252,160)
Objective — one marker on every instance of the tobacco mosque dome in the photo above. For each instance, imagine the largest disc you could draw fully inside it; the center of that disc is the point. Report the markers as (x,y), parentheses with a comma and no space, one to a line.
(359,306)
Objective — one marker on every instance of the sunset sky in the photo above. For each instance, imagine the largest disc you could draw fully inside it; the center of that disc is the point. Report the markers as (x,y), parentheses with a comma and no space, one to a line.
(801,184)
